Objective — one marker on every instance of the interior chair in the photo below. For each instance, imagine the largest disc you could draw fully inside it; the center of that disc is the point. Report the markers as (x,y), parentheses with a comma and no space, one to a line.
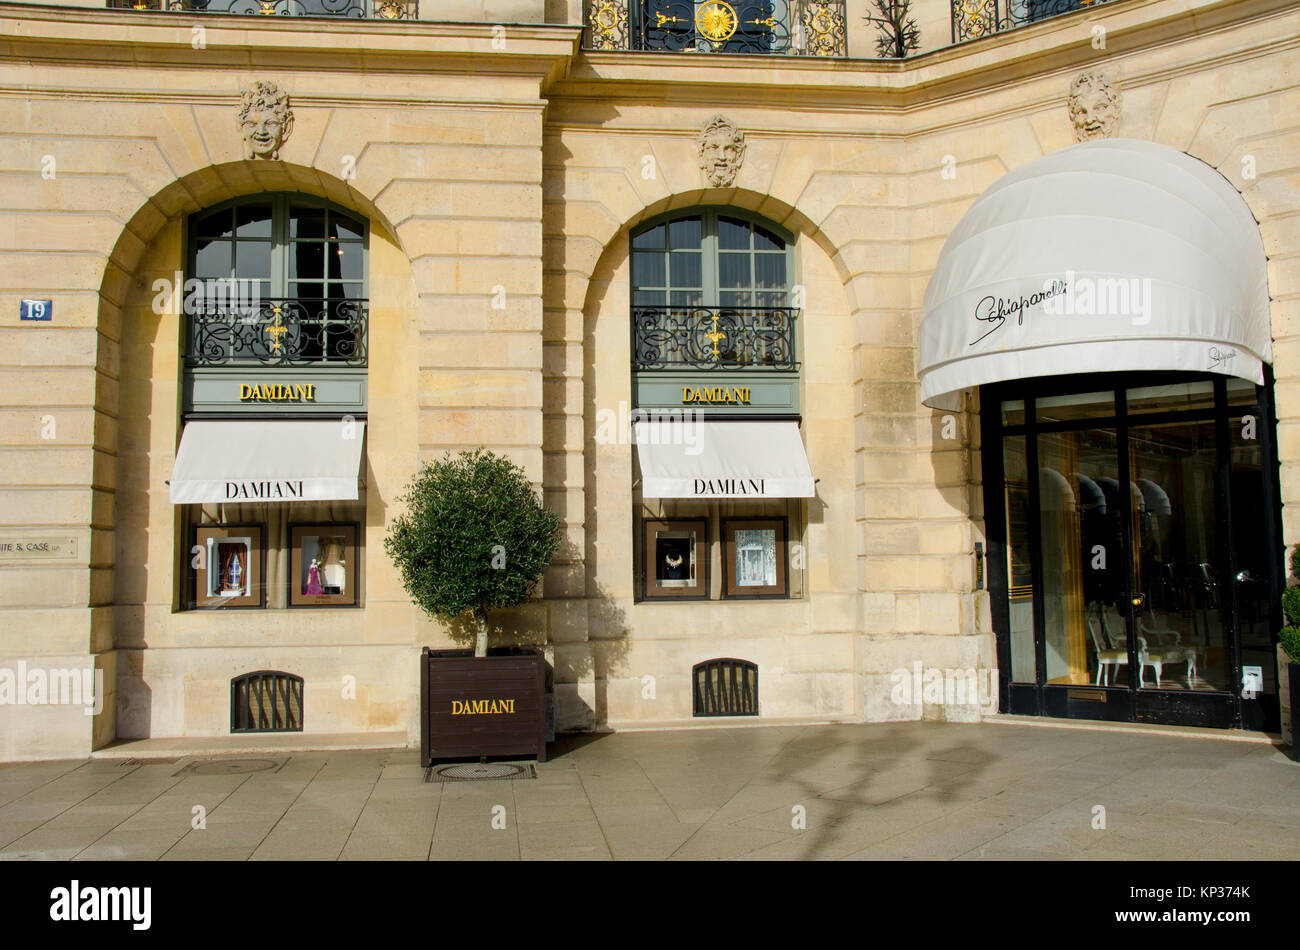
(1107,657)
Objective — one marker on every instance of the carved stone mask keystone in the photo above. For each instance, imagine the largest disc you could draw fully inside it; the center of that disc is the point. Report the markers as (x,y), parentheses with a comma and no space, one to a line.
(264,119)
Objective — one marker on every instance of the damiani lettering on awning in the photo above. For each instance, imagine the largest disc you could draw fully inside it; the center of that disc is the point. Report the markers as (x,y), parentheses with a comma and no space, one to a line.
(729,486)
(264,489)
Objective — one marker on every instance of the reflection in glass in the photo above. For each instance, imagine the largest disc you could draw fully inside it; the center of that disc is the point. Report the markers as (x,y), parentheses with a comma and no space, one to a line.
(1197,395)
(1182,637)
(1019,560)
(1080,551)
(1074,406)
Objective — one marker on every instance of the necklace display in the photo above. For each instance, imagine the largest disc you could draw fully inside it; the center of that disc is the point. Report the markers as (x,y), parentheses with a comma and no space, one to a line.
(673,561)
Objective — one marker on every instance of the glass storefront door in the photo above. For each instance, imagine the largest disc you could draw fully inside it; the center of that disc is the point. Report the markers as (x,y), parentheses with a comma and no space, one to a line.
(1134,549)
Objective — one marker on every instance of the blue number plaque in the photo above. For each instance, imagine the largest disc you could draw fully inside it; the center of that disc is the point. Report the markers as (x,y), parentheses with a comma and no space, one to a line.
(36,310)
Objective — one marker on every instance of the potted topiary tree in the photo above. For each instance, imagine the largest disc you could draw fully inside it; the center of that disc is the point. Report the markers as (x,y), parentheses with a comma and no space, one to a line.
(475,537)
(1288,655)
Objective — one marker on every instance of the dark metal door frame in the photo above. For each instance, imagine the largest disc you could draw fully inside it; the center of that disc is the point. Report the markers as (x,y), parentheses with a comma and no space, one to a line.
(1214,708)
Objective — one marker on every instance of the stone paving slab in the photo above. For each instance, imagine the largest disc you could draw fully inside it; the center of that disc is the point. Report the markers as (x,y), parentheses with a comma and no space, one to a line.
(896,791)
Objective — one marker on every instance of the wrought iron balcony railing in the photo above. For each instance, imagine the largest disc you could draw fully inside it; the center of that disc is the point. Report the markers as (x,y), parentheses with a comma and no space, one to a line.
(356,9)
(740,338)
(972,19)
(777,27)
(295,332)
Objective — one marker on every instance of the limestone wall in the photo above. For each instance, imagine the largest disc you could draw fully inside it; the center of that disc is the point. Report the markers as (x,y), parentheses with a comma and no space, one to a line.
(501,183)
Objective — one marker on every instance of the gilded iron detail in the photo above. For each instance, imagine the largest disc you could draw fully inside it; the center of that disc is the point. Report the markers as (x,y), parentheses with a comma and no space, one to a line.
(822,23)
(742,338)
(607,24)
(353,9)
(973,19)
(294,332)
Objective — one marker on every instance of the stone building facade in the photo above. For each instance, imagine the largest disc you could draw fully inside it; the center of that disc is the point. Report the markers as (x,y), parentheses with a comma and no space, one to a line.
(503,161)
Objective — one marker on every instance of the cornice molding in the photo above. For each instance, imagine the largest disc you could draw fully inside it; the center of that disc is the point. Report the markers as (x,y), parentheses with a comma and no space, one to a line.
(953,72)
(93,37)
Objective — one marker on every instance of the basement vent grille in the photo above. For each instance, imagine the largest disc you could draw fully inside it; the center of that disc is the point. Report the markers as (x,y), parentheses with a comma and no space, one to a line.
(266,701)
(725,687)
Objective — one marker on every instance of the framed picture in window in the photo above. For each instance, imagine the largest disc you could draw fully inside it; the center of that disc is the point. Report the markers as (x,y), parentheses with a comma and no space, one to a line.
(676,562)
(323,564)
(228,566)
(754,558)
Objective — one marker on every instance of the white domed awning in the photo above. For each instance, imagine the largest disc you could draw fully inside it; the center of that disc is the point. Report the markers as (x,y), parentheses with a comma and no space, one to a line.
(1106,256)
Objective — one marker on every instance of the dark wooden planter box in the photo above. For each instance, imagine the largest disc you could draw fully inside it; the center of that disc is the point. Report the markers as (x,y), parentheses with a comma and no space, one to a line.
(1293,671)
(479,706)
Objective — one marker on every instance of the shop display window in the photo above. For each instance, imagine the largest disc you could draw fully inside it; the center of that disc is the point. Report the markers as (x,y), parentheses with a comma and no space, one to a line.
(755,558)
(227,562)
(676,556)
(323,565)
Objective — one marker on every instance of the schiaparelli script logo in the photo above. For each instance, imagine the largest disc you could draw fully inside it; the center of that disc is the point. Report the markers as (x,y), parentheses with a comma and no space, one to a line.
(995,311)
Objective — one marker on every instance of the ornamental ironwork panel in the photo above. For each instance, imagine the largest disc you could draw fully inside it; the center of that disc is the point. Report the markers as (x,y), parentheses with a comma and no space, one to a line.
(356,9)
(972,19)
(749,338)
(783,27)
(296,332)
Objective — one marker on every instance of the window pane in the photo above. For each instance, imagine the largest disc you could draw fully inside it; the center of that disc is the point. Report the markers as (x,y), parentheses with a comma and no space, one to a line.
(1241,392)
(735,298)
(687,298)
(769,271)
(216,224)
(341,227)
(1199,395)
(1085,579)
(685,233)
(685,270)
(1019,559)
(345,261)
(307,223)
(1013,412)
(212,259)
(733,270)
(765,240)
(649,270)
(649,298)
(344,290)
(770,299)
(1074,406)
(253,260)
(306,260)
(306,291)
(733,234)
(1184,640)
(254,221)
(652,238)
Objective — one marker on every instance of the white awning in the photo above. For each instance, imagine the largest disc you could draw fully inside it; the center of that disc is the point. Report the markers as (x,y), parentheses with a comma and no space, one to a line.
(684,459)
(1110,255)
(277,460)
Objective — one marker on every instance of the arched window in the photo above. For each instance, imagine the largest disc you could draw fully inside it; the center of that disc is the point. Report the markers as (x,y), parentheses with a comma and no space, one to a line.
(270,468)
(712,288)
(283,282)
(710,258)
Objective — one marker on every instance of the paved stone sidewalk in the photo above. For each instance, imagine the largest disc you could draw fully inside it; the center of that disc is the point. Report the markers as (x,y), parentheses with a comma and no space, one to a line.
(906,790)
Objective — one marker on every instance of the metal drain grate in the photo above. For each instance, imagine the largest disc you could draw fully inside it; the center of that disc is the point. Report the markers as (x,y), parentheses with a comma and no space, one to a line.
(231,766)
(479,771)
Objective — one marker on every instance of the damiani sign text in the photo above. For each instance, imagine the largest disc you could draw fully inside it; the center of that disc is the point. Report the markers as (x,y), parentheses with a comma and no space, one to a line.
(277,392)
(483,707)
